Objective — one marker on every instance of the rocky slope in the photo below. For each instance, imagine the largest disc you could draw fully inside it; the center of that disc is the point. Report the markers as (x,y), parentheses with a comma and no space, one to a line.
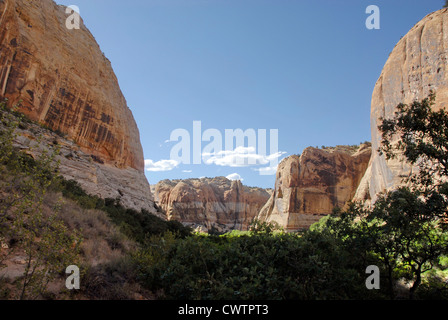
(208,202)
(417,64)
(309,186)
(62,80)
(98,179)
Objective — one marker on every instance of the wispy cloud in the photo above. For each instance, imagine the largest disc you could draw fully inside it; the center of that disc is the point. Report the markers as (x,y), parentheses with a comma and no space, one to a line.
(162,165)
(267,171)
(234,176)
(187,171)
(239,157)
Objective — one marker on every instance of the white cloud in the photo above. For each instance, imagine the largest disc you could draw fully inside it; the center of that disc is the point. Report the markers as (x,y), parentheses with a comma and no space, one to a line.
(162,165)
(187,171)
(234,176)
(267,171)
(239,157)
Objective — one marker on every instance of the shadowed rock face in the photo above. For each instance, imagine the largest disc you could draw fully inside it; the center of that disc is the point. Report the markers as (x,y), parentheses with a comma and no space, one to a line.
(208,202)
(310,186)
(417,64)
(62,80)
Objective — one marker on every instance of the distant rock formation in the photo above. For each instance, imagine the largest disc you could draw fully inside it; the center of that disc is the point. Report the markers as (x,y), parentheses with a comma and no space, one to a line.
(311,185)
(63,80)
(417,64)
(210,202)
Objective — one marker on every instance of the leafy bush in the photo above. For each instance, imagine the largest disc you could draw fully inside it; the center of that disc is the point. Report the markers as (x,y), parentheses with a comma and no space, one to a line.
(260,266)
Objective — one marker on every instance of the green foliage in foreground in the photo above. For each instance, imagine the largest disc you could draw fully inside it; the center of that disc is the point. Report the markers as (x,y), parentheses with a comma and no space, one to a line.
(260,265)
(46,243)
(326,262)
(405,234)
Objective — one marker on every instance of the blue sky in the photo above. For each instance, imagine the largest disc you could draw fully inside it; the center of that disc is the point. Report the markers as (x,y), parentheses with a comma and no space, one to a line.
(305,68)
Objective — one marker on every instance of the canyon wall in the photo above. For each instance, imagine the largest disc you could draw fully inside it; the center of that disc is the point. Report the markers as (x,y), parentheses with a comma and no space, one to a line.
(308,187)
(417,64)
(206,202)
(61,79)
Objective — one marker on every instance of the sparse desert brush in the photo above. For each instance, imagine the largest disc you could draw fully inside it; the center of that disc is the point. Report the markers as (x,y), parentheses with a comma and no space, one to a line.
(101,240)
(114,280)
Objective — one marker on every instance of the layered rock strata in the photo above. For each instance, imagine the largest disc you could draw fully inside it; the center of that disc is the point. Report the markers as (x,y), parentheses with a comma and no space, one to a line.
(60,78)
(210,202)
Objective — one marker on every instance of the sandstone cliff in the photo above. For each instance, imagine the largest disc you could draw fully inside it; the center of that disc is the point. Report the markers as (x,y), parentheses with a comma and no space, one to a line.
(62,80)
(208,202)
(417,64)
(311,185)
(98,179)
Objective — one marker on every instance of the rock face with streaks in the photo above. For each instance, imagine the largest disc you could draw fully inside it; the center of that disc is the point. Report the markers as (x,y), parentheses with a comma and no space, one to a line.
(62,80)
(95,178)
(308,187)
(417,64)
(207,202)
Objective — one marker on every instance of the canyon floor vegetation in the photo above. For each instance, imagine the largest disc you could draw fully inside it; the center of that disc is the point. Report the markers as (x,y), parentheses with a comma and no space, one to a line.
(125,254)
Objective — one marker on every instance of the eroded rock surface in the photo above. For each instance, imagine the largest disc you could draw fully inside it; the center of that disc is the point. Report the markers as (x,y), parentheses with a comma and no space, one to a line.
(62,80)
(100,179)
(417,64)
(208,202)
(311,185)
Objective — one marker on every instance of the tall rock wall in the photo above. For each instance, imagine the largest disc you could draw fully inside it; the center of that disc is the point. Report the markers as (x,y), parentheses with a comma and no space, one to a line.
(417,64)
(308,187)
(208,202)
(62,80)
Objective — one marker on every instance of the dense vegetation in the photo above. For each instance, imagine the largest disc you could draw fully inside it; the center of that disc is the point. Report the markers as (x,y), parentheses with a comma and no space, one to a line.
(254,265)
(327,262)
(404,234)
(51,239)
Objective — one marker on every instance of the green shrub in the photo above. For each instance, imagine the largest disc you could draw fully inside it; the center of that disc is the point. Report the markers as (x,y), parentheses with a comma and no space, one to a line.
(46,242)
(252,266)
